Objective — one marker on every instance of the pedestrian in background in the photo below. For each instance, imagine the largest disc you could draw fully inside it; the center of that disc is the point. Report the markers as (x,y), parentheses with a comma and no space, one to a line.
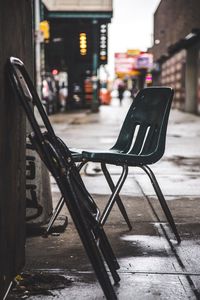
(63,97)
(134,89)
(121,89)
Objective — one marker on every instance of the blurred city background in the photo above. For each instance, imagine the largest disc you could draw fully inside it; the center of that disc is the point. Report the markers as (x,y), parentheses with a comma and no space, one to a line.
(88,59)
(85,50)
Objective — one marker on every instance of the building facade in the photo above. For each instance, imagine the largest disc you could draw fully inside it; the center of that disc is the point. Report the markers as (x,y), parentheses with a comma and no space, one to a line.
(78,45)
(176,51)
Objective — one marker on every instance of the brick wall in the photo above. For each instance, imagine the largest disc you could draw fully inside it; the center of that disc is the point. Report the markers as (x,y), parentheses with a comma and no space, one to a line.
(173,20)
(173,75)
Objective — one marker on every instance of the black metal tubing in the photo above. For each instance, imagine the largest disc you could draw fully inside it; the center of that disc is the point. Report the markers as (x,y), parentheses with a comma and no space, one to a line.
(112,187)
(115,193)
(110,260)
(118,199)
(86,233)
(79,167)
(162,200)
(56,212)
(106,245)
(58,207)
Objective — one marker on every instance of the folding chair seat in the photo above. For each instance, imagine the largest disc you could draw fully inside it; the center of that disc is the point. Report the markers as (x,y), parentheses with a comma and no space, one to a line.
(58,159)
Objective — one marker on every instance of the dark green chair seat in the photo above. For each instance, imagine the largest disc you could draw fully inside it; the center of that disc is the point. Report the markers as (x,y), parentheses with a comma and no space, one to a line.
(116,157)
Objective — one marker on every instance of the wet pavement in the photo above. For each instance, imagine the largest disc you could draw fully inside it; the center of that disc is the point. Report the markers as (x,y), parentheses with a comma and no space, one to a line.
(152,265)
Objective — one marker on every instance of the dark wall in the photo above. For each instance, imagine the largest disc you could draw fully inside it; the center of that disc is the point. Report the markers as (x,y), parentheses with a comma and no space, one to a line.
(173,20)
(15,40)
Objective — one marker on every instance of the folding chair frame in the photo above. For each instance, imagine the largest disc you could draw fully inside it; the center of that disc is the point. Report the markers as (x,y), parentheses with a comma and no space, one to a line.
(59,161)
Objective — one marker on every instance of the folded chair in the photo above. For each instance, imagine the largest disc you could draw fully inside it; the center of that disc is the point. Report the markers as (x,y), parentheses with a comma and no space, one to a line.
(58,159)
(141,142)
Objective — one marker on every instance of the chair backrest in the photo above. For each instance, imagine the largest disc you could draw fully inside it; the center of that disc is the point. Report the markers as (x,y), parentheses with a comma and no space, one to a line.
(143,132)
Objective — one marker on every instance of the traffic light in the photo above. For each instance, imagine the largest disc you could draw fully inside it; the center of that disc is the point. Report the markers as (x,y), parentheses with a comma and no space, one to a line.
(83,43)
(44,28)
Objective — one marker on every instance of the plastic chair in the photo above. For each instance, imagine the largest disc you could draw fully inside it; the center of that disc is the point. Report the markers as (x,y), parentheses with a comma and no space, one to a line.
(58,159)
(141,142)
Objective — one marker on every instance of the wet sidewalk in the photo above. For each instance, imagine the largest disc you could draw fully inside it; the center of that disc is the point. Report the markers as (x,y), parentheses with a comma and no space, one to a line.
(152,265)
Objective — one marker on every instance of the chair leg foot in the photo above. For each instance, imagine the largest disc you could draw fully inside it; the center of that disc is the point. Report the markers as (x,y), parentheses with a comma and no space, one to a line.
(54,216)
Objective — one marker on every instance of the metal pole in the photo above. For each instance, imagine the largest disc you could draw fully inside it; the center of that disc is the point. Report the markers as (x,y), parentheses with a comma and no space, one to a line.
(95,100)
(41,181)
(37,48)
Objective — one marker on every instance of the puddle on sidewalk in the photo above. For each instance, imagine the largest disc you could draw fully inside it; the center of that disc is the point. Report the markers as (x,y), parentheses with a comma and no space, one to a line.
(142,245)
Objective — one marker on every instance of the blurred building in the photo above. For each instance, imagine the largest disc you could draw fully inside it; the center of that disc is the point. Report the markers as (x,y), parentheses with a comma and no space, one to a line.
(133,67)
(176,51)
(78,44)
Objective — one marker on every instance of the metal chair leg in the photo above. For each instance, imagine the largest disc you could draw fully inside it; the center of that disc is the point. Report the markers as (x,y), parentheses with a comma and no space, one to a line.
(107,252)
(56,212)
(162,201)
(118,199)
(89,240)
(109,262)
(104,242)
(115,193)
(79,167)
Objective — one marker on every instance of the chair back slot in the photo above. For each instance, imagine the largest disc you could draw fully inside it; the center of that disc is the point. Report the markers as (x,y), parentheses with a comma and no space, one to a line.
(138,143)
(150,141)
(131,141)
(144,139)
